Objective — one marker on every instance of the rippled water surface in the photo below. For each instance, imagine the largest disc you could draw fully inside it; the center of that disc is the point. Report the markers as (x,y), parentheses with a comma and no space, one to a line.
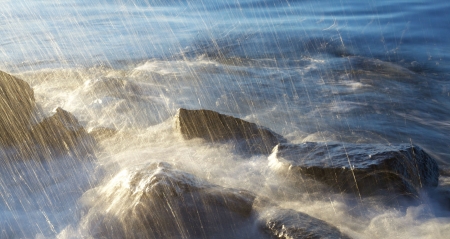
(346,71)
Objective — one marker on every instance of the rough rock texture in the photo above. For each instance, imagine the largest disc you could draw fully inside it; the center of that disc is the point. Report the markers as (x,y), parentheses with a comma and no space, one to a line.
(158,201)
(363,169)
(16,106)
(215,127)
(54,136)
(61,133)
(286,223)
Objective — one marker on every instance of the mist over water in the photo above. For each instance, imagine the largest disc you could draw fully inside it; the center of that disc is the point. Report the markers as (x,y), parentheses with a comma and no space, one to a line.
(311,71)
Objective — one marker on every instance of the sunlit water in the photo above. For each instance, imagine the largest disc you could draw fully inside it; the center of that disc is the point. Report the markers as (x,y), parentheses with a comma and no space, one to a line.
(347,71)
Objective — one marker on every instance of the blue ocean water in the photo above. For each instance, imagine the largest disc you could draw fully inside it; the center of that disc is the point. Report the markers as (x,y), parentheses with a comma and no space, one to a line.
(82,32)
(348,71)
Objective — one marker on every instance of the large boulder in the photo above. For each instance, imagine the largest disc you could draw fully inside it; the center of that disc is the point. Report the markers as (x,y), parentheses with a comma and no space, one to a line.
(362,169)
(158,201)
(16,107)
(214,127)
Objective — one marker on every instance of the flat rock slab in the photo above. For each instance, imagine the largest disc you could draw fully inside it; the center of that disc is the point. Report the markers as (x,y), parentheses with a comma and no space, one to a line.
(215,127)
(363,169)
(158,201)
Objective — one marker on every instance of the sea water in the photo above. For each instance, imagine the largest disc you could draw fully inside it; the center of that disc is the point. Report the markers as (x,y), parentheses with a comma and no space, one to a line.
(346,71)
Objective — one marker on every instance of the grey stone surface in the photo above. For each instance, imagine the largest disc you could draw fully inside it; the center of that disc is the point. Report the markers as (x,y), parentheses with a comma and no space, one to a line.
(287,223)
(364,169)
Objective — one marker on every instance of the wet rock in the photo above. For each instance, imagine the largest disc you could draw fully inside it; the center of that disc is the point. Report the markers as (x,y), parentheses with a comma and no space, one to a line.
(56,135)
(113,87)
(101,133)
(444,171)
(379,67)
(16,106)
(214,127)
(158,201)
(286,223)
(362,169)
(61,134)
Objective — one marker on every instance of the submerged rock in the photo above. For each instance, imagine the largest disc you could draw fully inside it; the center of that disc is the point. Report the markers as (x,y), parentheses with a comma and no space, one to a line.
(158,201)
(362,169)
(61,133)
(215,127)
(16,106)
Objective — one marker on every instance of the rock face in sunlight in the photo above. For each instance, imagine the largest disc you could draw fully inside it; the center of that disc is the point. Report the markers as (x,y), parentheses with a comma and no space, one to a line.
(54,136)
(61,133)
(16,106)
(157,201)
(160,202)
(364,169)
(215,127)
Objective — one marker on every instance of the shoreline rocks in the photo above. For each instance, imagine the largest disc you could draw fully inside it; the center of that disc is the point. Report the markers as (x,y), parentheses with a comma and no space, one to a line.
(158,201)
(54,136)
(215,127)
(361,169)
(284,223)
